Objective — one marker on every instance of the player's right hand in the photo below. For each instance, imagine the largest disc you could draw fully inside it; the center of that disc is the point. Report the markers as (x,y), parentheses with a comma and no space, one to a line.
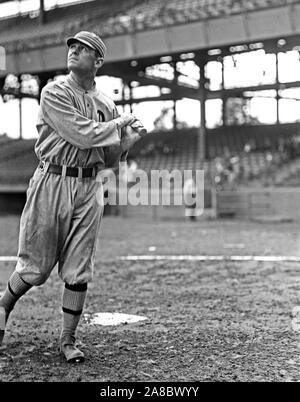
(129,138)
(126,119)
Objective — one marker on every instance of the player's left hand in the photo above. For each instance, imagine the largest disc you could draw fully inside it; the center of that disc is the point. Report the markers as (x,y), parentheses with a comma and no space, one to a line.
(129,138)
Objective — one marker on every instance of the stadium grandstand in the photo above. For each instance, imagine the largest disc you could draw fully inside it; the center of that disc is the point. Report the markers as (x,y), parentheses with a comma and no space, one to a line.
(147,38)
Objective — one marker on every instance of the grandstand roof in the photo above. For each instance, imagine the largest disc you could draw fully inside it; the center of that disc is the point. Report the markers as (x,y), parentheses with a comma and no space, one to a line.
(137,29)
(124,17)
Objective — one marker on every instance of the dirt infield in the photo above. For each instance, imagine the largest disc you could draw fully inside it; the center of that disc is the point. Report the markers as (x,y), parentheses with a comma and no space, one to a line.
(212,321)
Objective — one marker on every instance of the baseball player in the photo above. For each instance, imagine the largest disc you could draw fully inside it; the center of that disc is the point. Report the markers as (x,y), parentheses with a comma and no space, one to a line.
(80,134)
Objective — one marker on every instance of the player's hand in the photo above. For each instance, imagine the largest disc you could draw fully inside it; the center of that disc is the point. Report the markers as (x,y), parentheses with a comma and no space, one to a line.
(126,119)
(129,138)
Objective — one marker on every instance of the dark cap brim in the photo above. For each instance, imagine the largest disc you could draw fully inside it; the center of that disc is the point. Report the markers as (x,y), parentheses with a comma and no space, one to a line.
(73,40)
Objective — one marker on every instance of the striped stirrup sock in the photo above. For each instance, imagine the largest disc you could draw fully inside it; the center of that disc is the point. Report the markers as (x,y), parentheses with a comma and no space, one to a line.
(16,287)
(72,306)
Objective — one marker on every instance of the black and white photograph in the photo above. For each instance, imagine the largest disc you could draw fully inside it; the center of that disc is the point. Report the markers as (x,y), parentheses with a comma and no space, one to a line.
(149,194)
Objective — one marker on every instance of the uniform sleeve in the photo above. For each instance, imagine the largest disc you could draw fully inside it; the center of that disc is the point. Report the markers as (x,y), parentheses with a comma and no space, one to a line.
(59,112)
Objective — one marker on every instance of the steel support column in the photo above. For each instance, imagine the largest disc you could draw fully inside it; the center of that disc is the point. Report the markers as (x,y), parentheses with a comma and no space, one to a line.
(20,108)
(42,16)
(201,62)
(223,95)
(277,90)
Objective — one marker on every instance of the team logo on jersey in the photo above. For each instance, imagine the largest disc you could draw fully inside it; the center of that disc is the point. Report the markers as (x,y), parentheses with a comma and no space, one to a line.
(101,116)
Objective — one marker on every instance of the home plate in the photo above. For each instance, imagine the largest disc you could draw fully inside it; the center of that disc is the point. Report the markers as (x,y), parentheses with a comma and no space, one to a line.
(115,318)
(8,258)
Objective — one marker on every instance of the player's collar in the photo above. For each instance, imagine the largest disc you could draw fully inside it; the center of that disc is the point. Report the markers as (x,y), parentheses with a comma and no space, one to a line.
(74,83)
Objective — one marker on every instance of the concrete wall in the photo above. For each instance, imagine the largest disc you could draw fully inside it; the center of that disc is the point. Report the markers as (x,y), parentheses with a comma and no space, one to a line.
(249,203)
(252,203)
(12,203)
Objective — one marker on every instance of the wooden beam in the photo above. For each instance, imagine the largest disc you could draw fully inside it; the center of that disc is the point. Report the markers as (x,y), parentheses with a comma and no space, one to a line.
(165,97)
(17,95)
(238,92)
(145,80)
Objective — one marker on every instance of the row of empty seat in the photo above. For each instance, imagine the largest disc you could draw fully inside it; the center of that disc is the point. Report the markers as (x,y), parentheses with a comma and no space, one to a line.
(167,150)
(233,138)
(257,138)
(17,161)
(60,21)
(10,148)
(289,176)
(156,13)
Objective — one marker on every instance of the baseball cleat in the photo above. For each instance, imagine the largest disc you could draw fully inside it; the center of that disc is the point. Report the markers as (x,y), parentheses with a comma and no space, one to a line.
(2,323)
(71,352)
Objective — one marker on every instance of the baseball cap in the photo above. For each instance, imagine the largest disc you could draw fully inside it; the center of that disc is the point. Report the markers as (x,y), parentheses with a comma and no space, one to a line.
(90,39)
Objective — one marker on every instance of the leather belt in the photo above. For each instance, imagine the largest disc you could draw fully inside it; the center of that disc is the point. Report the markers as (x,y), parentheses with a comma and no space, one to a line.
(70,171)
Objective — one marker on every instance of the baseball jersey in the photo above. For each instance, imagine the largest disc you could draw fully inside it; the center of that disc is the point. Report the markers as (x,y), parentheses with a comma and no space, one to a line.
(75,127)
